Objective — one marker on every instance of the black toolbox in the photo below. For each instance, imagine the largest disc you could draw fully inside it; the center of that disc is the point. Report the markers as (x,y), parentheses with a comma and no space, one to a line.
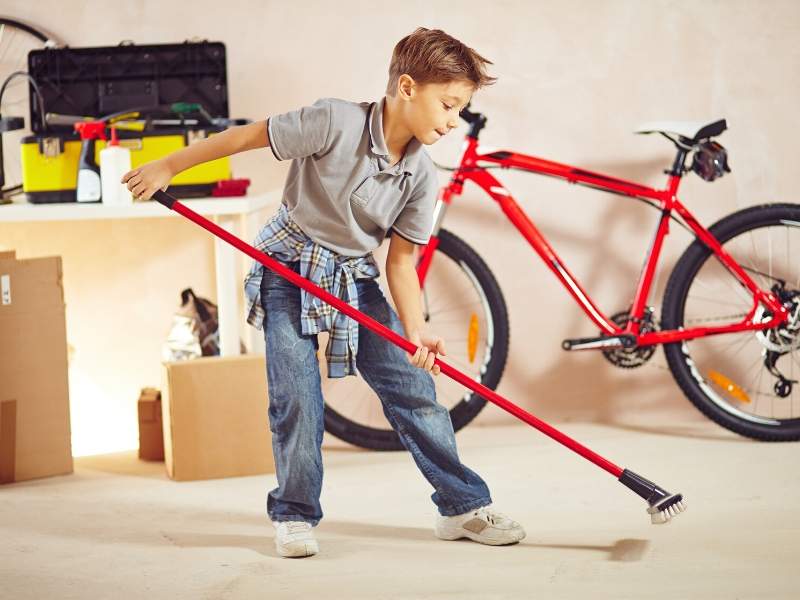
(98,81)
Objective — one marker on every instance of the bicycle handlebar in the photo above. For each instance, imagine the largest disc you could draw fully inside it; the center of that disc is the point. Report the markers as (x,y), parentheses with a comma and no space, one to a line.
(475,119)
(467,115)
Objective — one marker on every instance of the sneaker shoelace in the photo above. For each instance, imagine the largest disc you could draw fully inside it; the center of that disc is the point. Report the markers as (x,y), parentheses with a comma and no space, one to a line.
(491,516)
(297,526)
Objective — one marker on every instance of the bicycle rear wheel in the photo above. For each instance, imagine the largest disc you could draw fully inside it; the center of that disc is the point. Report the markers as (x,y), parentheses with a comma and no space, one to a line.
(744,381)
(16,40)
(464,305)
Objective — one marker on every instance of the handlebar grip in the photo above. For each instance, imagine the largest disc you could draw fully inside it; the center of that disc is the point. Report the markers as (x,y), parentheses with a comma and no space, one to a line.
(467,115)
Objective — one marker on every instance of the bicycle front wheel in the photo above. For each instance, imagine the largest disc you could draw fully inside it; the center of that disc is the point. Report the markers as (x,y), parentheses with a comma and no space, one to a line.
(463,304)
(743,381)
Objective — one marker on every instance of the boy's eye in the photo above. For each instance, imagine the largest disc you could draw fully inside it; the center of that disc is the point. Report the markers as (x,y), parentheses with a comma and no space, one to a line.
(447,107)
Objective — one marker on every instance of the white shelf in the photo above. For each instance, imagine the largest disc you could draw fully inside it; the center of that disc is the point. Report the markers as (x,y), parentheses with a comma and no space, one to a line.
(74,211)
(232,214)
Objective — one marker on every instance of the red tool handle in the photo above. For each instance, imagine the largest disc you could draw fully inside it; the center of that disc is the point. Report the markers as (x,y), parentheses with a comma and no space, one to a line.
(386,333)
(91,130)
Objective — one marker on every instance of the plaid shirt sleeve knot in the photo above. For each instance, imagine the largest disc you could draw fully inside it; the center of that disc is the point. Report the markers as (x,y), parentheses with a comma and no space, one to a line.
(283,240)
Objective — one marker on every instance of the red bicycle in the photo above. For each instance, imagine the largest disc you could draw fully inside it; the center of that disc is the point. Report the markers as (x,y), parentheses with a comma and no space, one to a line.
(725,323)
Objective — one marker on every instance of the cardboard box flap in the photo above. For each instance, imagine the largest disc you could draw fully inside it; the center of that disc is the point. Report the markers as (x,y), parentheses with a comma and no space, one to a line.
(30,284)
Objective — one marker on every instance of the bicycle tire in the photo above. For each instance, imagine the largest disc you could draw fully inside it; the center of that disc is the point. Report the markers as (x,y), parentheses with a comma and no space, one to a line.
(15,187)
(25,27)
(679,359)
(461,414)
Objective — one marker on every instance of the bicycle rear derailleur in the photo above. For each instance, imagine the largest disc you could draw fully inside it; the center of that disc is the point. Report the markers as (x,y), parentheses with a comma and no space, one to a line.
(781,340)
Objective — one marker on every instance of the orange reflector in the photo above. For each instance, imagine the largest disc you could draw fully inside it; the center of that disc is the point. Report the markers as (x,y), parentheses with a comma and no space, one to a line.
(731,388)
(472,337)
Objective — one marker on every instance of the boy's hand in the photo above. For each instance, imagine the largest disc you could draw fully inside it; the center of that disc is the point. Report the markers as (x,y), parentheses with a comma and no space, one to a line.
(428,347)
(144,181)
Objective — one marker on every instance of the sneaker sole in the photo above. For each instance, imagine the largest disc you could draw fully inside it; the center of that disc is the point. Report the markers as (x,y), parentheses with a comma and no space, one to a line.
(298,549)
(450,535)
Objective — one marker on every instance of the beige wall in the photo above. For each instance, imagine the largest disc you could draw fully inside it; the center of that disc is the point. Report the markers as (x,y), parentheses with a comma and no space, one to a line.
(575,78)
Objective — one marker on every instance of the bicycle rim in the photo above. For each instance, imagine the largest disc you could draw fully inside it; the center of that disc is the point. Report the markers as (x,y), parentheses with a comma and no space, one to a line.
(732,377)
(456,308)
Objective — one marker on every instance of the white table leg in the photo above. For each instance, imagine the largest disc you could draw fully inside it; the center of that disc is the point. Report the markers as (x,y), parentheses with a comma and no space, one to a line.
(227,304)
(251,224)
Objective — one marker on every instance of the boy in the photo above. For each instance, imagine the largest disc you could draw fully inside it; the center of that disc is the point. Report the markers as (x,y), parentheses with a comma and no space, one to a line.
(358,171)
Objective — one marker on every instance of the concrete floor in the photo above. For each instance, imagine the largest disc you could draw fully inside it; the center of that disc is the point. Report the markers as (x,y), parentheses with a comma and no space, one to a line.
(118,528)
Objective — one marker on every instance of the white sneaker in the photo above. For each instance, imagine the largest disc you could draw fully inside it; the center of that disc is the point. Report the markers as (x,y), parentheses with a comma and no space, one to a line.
(295,539)
(483,525)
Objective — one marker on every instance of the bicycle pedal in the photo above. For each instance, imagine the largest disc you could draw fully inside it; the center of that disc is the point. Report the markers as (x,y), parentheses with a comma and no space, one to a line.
(603,341)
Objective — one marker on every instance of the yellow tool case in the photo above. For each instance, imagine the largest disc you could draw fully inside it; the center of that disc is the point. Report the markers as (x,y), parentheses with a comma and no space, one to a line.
(50,162)
(161,97)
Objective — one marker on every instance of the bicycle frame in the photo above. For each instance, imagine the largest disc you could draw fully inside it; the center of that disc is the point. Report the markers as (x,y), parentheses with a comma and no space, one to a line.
(472,168)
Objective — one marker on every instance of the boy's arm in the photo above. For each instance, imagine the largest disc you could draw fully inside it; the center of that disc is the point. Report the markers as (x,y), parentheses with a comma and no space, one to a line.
(145,180)
(404,287)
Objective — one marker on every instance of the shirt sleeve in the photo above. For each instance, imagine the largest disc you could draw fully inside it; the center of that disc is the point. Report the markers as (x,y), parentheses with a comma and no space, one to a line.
(301,132)
(415,221)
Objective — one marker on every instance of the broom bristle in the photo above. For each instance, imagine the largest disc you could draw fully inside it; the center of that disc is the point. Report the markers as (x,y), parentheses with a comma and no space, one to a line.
(666,509)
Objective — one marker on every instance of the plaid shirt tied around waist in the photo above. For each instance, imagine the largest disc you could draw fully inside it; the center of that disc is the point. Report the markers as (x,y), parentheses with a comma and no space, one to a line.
(283,240)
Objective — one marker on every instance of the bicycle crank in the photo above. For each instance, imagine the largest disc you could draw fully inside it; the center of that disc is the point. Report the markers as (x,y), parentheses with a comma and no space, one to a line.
(604,341)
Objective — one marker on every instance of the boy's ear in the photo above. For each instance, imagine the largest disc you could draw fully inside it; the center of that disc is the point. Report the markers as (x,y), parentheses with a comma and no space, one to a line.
(406,86)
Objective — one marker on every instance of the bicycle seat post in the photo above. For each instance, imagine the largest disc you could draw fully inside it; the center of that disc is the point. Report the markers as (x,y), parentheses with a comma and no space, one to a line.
(679,166)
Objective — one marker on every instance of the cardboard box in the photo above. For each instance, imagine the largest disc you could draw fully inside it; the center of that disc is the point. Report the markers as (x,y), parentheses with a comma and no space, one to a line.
(151,432)
(215,418)
(34,393)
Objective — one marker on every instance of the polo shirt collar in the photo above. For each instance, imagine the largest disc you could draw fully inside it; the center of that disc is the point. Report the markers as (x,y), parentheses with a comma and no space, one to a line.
(408,163)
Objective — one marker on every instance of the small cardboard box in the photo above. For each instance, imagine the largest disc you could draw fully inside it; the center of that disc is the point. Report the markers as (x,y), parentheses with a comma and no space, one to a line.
(151,432)
(215,418)
(34,393)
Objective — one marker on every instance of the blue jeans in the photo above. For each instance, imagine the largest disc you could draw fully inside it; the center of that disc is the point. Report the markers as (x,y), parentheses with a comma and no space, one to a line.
(296,406)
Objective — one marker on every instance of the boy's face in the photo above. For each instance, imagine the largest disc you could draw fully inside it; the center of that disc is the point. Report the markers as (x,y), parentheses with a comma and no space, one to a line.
(432,108)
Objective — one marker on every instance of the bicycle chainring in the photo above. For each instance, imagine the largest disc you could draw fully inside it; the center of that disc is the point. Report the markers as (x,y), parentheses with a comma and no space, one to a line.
(631,358)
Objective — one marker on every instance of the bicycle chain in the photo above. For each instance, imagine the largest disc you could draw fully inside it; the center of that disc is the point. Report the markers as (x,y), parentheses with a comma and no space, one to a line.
(709,319)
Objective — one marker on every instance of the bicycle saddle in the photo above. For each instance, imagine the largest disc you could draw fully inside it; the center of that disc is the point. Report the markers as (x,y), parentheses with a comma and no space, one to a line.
(693,131)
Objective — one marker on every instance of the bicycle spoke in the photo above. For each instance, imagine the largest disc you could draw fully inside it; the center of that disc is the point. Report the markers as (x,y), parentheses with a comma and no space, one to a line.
(450,309)
(727,343)
(742,346)
(737,289)
(758,389)
(11,34)
(715,300)
(769,250)
(459,321)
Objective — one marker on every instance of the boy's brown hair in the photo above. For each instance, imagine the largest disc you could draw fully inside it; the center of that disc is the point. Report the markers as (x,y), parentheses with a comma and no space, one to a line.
(432,56)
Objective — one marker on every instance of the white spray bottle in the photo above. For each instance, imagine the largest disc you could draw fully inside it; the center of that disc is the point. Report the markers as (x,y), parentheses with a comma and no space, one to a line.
(115,161)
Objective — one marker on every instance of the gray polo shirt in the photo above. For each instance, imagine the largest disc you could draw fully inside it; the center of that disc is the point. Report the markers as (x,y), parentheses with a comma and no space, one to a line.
(340,189)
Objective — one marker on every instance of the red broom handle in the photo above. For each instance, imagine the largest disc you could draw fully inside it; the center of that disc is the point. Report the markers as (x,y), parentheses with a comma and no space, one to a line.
(386,333)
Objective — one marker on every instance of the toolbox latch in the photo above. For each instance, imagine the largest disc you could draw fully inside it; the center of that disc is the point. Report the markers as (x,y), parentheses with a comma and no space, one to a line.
(195,135)
(50,147)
